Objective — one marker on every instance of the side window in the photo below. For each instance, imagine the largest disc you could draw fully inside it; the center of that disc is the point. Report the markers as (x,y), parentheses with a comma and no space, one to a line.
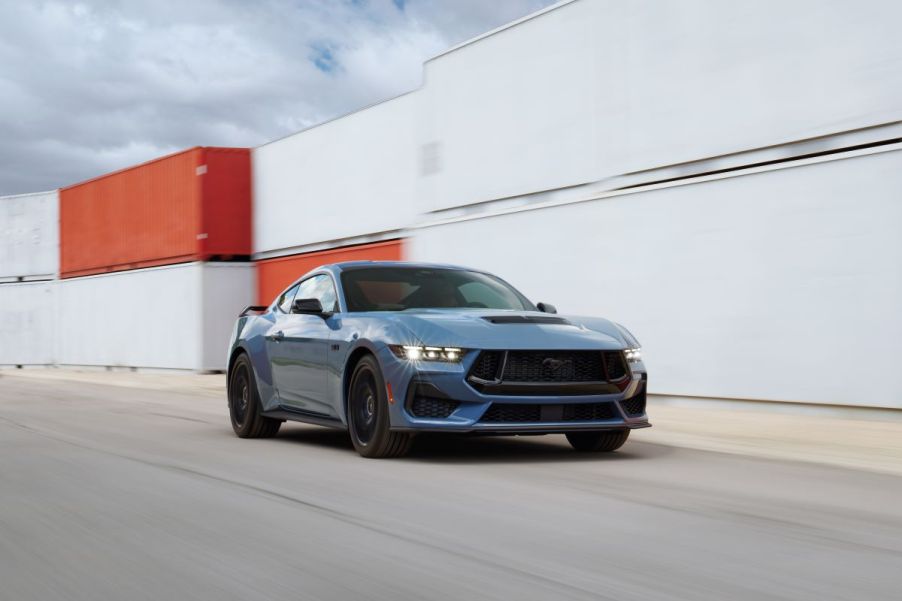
(322,288)
(286,299)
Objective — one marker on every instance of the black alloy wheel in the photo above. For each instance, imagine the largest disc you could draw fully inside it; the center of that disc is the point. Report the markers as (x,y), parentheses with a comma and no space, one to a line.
(368,420)
(244,404)
(241,395)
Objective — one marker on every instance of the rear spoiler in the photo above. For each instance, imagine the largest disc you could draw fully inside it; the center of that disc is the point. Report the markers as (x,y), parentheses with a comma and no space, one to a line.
(253,309)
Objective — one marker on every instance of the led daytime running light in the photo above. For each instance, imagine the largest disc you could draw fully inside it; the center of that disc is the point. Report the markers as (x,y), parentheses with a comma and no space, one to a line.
(448,354)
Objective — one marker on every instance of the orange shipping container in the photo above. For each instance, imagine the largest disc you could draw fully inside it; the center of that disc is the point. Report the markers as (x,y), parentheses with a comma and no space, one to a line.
(194,205)
(274,275)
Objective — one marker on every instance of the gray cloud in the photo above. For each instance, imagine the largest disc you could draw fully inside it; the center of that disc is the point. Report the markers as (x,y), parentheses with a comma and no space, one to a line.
(87,87)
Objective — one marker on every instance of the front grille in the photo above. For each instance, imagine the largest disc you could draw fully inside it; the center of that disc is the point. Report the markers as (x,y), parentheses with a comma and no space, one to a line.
(486,365)
(614,365)
(549,373)
(511,413)
(553,366)
(432,407)
(635,405)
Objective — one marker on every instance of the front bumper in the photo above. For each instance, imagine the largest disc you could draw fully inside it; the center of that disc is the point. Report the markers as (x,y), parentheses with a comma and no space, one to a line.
(615,411)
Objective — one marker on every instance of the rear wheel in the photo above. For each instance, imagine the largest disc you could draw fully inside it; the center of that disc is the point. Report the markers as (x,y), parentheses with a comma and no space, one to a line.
(244,403)
(598,442)
(368,420)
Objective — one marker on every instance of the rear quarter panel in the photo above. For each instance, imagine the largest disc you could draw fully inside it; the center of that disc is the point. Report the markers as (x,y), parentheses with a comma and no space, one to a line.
(249,336)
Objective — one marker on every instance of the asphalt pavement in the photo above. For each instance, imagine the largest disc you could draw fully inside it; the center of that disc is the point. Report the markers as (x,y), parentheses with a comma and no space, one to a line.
(112,492)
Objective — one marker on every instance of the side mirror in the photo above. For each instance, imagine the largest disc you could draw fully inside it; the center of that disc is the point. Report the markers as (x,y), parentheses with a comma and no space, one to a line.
(307,306)
(546,308)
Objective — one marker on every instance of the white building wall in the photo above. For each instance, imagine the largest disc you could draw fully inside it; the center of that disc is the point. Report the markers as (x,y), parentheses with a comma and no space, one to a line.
(27,323)
(29,236)
(780,285)
(600,88)
(226,289)
(354,176)
(177,317)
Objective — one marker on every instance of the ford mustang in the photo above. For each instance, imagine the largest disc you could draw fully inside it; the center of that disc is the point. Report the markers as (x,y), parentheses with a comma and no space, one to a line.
(386,350)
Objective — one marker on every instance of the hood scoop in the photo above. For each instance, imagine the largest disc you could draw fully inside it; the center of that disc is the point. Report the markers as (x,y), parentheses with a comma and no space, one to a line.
(527,319)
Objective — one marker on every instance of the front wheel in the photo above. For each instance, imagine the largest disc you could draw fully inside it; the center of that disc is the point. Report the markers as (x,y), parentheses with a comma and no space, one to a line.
(598,442)
(368,420)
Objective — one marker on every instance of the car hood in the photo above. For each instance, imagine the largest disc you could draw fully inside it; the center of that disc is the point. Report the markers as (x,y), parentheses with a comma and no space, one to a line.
(507,330)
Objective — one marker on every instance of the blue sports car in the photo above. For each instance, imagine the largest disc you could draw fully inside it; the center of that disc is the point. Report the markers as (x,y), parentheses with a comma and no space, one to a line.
(386,350)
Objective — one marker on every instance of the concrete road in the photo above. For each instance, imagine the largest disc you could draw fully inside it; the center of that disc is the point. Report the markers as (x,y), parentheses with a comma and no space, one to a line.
(127,493)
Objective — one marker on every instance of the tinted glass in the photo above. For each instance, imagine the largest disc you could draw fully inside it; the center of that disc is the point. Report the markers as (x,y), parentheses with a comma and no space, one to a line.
(321,288)
(286,299)
(401,288)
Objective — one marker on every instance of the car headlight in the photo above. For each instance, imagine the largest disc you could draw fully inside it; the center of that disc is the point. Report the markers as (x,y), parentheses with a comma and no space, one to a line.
(633,355)
(448,354)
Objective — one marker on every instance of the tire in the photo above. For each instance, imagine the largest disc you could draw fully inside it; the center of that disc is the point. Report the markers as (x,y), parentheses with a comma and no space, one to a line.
(244,403)
(368,419)
(598,442)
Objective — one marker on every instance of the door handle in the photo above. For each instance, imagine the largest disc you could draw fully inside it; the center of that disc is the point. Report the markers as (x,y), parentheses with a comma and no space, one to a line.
(280,335)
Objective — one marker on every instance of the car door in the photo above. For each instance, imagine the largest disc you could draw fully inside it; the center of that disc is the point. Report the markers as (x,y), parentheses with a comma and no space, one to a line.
(299,349)
(275,334)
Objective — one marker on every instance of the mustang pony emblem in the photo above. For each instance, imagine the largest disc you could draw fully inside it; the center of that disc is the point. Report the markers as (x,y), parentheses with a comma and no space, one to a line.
(555,364)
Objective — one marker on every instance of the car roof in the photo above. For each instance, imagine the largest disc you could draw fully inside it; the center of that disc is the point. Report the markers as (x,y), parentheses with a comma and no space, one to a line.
(352,265)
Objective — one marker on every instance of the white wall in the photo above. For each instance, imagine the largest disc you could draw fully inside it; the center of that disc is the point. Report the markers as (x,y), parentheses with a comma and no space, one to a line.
(177,316)
(29,236)
(781,285)
(226,289)
(590,90)
(27,323)
(600,88)
(349,177)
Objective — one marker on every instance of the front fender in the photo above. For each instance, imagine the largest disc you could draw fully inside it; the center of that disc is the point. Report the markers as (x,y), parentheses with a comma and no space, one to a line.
(604,326)
(344,368)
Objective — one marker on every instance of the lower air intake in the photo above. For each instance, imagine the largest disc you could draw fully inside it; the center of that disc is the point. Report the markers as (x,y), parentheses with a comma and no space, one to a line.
(634,406)
(431,407)
(513,413)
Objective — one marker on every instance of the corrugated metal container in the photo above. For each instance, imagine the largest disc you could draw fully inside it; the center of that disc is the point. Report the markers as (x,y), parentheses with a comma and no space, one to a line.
(190,206)
(28,323)
(354,176)
(595,89)
(779,285)
(176,317)
(273,275)
(29,236)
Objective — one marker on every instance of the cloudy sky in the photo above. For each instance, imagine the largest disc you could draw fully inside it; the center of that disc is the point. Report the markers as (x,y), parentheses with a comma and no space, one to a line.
(87,87)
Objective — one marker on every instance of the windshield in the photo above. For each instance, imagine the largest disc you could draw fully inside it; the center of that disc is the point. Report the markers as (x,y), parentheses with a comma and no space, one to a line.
(400,288)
